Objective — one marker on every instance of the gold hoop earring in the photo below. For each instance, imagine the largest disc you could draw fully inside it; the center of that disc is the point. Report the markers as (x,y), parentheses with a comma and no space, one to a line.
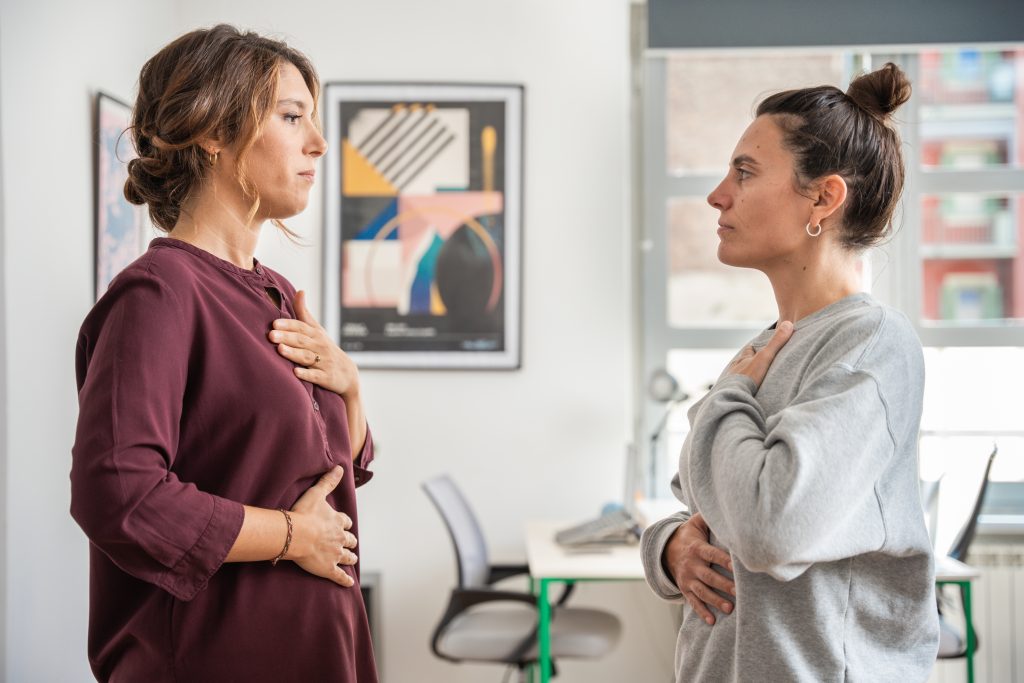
(808,229)
(213,158)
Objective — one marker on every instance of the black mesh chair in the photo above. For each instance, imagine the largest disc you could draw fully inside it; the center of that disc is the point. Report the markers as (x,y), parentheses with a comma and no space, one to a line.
(477,627)
(953,642)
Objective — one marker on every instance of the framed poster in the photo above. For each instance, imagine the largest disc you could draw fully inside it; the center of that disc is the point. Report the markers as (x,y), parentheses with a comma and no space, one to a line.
(423,233)
(123,230)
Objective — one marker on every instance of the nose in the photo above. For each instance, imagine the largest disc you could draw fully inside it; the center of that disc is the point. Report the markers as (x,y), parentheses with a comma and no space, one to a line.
(316,146)
(717,197)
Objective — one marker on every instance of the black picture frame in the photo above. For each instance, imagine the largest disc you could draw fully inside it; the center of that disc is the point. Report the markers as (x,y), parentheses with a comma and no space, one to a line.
(423,223)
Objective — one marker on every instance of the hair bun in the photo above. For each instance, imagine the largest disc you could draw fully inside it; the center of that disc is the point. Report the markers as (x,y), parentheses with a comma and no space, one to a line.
(880,92)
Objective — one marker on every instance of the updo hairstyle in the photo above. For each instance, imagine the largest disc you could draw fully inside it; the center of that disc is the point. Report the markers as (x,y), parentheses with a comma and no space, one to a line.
(851,135)
(218,83)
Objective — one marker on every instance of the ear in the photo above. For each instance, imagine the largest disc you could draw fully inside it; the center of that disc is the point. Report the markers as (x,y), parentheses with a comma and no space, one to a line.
(829,196)
(211,145)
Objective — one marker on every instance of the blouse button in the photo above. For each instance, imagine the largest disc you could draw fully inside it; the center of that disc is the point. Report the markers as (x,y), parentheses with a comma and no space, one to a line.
(316,406)
(259,270)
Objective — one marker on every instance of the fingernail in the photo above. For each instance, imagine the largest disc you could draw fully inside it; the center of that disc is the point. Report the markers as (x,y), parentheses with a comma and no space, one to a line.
(711,622)
(726,607)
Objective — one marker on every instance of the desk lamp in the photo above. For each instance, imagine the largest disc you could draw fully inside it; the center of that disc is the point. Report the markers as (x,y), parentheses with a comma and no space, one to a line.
(663,388)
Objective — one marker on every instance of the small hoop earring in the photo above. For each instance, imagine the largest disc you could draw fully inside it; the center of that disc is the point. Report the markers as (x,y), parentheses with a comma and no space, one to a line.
(808,229)
(213,158)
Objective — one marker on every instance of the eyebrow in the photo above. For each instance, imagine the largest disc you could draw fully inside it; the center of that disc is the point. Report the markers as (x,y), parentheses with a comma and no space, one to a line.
(296,103)
(744,159)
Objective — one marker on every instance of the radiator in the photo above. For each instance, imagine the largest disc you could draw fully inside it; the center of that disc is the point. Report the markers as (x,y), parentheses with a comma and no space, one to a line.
(998,597)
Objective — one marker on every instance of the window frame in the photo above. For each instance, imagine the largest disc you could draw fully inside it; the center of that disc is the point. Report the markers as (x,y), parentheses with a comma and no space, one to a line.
(896,267)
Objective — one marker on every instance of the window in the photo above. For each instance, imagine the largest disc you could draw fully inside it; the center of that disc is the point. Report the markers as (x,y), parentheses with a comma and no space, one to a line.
(969,184)
(955,264)
(971,401)
(709,101)
(697,312)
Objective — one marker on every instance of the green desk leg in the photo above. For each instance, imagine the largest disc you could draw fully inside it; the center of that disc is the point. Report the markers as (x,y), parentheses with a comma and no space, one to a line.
(969,619)
(544,631)
(531,672)
(970,630)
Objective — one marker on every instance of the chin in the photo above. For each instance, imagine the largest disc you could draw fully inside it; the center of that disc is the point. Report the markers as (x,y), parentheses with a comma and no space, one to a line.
(280,212)
(725,257)
(296,210)
(728,257)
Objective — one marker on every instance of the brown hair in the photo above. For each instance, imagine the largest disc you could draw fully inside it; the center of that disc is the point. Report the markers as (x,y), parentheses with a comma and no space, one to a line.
(218,83)
(849,134)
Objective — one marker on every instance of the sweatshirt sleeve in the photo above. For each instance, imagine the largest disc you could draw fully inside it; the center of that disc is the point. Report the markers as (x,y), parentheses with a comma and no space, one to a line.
(786,491)
(132,362)
(652,548)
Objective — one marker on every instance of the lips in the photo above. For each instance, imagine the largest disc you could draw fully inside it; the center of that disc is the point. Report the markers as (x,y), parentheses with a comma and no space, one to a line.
(309,175)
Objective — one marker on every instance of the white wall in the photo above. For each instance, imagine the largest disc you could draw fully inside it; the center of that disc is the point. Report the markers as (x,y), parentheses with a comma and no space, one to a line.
(544,441)
(3,422)
(55,54)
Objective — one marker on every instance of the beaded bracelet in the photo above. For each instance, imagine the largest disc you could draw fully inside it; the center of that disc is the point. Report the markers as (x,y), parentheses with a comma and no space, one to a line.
(287,540)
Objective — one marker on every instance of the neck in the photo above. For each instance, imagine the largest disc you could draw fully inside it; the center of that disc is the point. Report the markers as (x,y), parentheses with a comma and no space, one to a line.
(219,227)
(804,286)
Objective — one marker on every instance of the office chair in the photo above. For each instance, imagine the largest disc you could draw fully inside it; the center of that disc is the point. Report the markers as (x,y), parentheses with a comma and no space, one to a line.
(953,644)
(477,627)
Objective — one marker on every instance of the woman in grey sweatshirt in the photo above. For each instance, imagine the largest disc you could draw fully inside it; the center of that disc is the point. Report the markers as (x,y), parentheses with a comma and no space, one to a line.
(804,531)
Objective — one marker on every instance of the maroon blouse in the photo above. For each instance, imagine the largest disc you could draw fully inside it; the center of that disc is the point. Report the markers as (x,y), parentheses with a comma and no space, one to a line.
(187,412)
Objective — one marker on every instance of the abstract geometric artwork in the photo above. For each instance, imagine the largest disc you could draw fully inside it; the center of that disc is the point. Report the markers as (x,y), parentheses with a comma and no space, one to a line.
(123,230)
(423,224)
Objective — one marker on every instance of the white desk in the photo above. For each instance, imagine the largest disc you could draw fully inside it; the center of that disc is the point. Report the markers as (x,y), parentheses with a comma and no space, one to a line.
(548,560)
(948,570)
(551,563)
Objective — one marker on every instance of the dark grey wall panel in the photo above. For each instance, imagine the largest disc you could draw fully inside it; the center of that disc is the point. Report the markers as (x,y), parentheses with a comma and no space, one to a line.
(805,23)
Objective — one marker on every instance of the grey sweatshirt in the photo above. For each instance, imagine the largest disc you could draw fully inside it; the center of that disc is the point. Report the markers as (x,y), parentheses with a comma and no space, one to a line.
(811,484)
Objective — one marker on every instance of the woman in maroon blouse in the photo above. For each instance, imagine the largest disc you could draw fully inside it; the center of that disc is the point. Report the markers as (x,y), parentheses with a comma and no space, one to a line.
(220,428)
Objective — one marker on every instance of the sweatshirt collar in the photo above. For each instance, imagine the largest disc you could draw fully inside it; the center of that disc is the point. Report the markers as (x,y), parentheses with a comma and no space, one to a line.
(846,303)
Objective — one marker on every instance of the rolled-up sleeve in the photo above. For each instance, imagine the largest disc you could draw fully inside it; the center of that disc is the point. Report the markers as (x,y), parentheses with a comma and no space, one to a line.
(132,366)
(652,547)
(361,464)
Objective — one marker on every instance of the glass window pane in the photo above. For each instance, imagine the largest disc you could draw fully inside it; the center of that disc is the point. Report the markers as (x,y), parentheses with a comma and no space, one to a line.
(973,389)
(972,264)
(959,463)
(702,292)
(712,98)
(971,401)
(971,108)
(696,370)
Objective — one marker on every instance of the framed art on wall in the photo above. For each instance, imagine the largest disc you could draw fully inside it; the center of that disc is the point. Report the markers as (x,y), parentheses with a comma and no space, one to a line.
(423,223)
(123,230)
